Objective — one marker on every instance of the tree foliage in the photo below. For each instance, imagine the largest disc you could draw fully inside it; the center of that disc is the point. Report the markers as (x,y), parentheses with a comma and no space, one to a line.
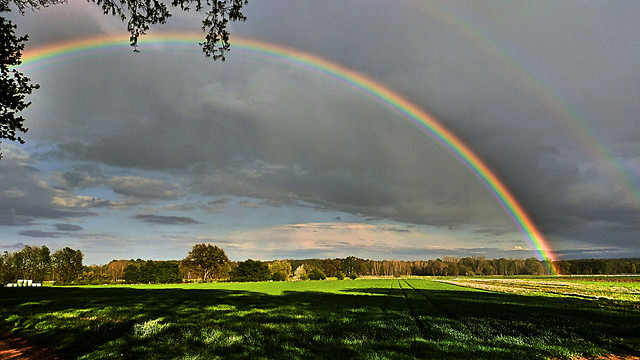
(250,270)
(316,274)
(116,269)
(280,270)
(8,268)
(36,261)
(139,16)
(14,86)
(131,274)
(208,261)
(67,265)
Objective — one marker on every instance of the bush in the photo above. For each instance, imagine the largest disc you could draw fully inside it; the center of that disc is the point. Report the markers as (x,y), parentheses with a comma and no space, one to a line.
(300,273)
(317,274)
(279,276)
(353,276)
(340,275)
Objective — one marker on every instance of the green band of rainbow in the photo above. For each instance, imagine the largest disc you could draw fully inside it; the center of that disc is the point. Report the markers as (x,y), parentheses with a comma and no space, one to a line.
(364,84)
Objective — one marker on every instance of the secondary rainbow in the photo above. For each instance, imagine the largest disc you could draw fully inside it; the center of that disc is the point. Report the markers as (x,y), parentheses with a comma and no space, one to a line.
(537,84)
(65,51)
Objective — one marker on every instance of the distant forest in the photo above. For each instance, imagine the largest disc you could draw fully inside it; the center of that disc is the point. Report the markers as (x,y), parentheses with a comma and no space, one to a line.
(65,267)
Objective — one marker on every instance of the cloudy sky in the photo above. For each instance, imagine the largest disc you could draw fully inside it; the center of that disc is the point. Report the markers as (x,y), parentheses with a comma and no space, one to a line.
(143,155)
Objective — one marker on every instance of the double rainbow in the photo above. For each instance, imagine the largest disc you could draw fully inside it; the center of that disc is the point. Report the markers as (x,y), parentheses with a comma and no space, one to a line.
(61,52)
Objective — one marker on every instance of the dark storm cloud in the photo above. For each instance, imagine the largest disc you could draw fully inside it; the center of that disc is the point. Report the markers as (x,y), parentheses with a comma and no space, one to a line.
(283,136)
(334,149)
(529,144)
(167,220)
(600,253)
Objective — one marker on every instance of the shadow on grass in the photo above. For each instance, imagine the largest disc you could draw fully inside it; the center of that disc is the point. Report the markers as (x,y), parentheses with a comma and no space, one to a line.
(98,323)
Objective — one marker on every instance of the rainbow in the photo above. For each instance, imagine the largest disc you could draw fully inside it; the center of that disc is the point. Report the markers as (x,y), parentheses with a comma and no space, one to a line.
(62,52)
(536,83)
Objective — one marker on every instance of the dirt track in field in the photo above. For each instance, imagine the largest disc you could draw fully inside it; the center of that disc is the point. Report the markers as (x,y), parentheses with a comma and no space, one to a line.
(13,347)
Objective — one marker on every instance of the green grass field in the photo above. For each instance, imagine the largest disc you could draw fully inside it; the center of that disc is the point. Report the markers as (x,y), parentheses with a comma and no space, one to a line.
(361,319)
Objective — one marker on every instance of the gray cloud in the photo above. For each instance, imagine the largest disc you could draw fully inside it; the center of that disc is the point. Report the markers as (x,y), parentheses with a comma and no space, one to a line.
(40,234)
(82,176)
(68,227)
(167,220)
(141,187)
(345,192)
(26,197)
(16,246)
(250,205)
(219,202)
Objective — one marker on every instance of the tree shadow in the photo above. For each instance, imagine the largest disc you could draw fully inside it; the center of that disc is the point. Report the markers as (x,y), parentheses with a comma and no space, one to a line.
(233,324)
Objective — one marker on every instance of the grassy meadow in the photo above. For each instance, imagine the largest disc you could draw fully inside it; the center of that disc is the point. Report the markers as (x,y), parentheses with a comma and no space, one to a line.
(360,319)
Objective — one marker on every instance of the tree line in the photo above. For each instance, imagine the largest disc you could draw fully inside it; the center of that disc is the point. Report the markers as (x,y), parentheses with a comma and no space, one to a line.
(207,263)
(37,263)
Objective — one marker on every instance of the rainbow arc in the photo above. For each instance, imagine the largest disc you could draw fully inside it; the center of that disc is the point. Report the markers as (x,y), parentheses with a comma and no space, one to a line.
(395,102)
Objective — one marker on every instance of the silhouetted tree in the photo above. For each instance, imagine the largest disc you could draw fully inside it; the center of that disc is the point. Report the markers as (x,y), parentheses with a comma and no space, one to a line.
(14,86)
(139,15)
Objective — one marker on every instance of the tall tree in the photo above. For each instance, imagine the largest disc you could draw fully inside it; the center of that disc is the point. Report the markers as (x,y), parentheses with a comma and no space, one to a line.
(67,264)
(352,265)
(36,261)
(139,15)
(207,260)
(7,273)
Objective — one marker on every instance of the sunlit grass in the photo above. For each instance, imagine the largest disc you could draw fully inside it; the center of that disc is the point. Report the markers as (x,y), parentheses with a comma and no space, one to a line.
(361,319)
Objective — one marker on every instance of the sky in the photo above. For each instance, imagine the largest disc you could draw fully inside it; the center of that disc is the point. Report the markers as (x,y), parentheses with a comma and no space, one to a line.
(143,155)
